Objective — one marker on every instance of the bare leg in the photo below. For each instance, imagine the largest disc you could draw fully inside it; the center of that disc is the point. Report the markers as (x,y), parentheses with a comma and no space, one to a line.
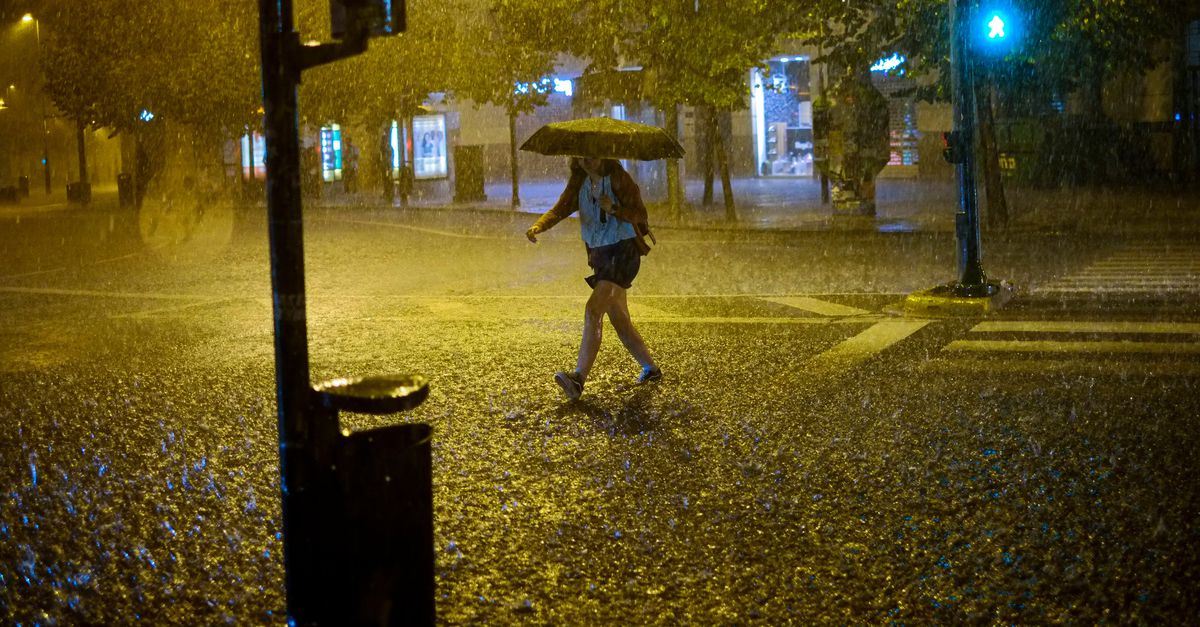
(618,314)
(593,326)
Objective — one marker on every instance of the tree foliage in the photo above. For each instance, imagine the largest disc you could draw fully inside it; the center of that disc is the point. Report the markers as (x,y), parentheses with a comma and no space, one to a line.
(509,47)
(107,60)
(394,76)
(1066,46)
(696,52)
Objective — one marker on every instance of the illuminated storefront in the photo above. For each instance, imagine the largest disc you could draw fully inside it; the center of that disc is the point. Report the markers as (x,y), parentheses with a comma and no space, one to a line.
(781,106)
(331,153)
(782,121)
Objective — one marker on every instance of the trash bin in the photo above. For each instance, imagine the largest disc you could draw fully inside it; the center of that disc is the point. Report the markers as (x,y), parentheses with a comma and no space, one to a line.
(23,185)
(360,514)
(125,190)
(79,192)
(468,174)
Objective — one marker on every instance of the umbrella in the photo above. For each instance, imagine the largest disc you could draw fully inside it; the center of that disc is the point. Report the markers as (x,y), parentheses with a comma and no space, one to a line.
(604,138)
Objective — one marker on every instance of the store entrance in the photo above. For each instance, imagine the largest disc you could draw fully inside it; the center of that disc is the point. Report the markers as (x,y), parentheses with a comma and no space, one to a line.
(782,107)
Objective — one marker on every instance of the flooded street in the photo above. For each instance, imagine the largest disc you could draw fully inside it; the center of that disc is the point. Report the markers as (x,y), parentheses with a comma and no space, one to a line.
(811,454)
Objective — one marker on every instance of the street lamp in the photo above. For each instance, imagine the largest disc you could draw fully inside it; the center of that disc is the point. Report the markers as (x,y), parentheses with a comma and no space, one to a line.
(37,26)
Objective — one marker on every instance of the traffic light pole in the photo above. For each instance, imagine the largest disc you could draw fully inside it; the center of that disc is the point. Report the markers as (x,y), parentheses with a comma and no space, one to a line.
(972,278)
(285,230)
(357,545)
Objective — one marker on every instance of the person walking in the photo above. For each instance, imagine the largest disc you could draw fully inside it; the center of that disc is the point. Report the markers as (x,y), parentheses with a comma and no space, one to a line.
(614,226)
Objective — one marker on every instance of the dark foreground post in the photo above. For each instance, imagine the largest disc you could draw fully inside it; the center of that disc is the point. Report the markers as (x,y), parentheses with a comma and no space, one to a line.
(972,294)
(357,508)
(973,280)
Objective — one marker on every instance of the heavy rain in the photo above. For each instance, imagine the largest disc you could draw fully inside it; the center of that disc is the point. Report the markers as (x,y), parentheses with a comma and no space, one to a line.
(296,323)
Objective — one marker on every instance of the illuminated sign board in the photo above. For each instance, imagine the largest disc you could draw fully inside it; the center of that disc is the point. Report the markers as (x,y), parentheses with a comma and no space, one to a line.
(331,153)
(429,146)
(254,155)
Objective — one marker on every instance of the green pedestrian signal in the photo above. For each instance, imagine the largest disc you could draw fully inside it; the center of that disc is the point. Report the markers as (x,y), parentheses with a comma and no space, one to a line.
(995,28)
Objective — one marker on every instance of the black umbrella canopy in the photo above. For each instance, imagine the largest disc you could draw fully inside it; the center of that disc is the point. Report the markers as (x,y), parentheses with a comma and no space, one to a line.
(604,138)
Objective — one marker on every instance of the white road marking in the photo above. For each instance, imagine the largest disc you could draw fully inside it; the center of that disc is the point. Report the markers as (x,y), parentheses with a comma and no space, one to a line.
(1074,367)
(96,293)
(1120,289)
(1084,326)
(1047,346)
(34,273)
(419,229)
(789,320)
(119,258)
(173,309)
(863,346)
(1138,268)
(817,306)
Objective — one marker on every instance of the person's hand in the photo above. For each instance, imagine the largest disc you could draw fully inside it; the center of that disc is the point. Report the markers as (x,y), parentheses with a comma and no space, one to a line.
(606,204)
(532,233)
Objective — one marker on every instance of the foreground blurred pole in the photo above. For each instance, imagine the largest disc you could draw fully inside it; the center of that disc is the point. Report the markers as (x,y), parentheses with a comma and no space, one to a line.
(973,280)
(357,507)
(285,228)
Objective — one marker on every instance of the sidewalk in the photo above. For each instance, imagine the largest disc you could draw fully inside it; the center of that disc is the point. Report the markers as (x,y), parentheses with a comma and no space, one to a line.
(902,205)
(789,204)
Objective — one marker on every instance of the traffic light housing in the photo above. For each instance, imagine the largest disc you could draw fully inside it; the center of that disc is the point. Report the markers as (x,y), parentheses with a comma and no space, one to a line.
(379,18)
(954,149)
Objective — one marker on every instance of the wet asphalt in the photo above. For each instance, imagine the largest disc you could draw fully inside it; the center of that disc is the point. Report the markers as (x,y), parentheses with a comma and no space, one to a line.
(759,483)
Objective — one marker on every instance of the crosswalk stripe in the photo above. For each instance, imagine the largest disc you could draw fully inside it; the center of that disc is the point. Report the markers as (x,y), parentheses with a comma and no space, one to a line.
(1050,346)
(1091,289)
(1139,267)
(1066,366)
(1084,326)
(1127,278)
(788,320)
(817,306)
(863,346)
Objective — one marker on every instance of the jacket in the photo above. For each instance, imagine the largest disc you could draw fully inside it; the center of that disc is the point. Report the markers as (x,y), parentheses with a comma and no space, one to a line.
(628,208)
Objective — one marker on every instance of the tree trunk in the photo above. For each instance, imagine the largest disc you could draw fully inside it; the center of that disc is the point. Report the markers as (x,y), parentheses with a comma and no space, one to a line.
(674,189)
(81,146)
(386,158)
(407,176)
(997,205)
(708,123)
(726,182)
(512,159)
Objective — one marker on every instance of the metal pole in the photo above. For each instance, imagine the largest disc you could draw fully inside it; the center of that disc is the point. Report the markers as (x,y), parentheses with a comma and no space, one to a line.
(297,437)
(966,221)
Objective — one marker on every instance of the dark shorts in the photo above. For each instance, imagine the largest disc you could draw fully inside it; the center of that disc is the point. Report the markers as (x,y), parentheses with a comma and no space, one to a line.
(618,263)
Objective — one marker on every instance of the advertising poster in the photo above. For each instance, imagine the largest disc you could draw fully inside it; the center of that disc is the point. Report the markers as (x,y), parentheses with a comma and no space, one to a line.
(429,146)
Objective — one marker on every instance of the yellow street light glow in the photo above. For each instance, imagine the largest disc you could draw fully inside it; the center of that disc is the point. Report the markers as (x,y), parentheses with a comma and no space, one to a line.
(27,18)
